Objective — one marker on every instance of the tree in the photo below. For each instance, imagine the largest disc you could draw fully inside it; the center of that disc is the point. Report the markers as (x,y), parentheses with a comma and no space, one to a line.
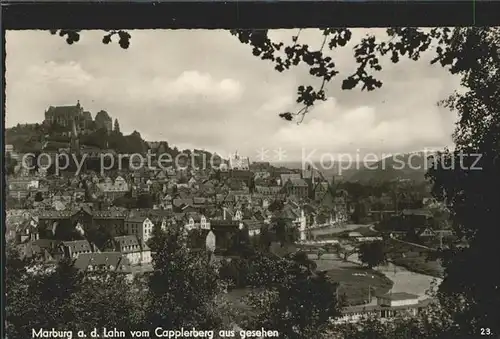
(99,235)
(283,231)
(471,192)
(181,292)
(116,127)
(302,259)
(10,164)
(158,238)
(61,297)
(372,253)
(38,295)
(307,313)
(145,201)
(321,251)
(38,196)
(104,299)
(276,205)
(360,211)
(183,286)
(125,201)
(264,238)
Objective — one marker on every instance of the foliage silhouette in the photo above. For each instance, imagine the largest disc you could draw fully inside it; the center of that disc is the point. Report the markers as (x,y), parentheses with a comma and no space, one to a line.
(470,288)
(372,253)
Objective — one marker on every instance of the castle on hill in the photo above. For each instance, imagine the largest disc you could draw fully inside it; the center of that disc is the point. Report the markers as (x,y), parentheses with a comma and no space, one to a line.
(64,116)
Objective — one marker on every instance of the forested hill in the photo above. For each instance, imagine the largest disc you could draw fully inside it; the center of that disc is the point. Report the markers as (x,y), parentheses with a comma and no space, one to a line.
(36,138)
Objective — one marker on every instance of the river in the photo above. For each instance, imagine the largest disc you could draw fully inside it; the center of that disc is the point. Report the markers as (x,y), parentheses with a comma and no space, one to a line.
(404,280)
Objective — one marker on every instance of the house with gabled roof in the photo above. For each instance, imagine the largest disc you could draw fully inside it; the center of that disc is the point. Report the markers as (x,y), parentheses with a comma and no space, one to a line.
(296,187)
(134,249)
(139,225)
(27,231)
(48,250)
(196,220)
(426,232)
(253,226)
(104,261)
(72,249)
(284,177)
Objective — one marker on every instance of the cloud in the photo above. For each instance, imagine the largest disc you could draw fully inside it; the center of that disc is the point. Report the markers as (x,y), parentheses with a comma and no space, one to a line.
(198,96)
(64,74)
(188,87)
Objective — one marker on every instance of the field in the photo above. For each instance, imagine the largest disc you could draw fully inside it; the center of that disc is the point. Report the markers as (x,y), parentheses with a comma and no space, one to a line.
(355,281)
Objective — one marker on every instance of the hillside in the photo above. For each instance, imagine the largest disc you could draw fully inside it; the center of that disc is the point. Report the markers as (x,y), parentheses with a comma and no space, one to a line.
(35,138)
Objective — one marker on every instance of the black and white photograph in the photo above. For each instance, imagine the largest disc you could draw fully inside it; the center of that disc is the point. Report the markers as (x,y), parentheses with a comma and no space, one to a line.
(252,183)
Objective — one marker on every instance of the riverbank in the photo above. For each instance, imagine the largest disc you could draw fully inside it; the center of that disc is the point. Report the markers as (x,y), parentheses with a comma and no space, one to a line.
(405,280)
(420,265)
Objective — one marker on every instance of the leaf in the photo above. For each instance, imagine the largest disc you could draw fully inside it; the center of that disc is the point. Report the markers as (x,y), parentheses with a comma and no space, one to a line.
(349,83)
(106,39)
(287,116)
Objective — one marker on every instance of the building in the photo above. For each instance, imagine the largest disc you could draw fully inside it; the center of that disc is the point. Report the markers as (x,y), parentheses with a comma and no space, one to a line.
(114,189)
(296,187)
(103,121)
(47,250)
(388,306)
(283,179)
(20,188)
(253,226)
(72,249)
(112,219)
(132,248)
(416,217)
(196,221)
(27,231)
(397,299)
(140,226)
(105,261)
(210,242)
(65,115)
(237,162)
(295,218)
(269,191)
(225,232)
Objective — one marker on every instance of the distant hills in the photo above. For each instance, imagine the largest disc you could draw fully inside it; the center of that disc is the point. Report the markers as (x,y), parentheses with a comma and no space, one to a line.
(405,166)
(408,166)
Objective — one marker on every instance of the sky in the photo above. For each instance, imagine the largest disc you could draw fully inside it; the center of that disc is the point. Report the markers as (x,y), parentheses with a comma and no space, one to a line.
(204,89)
